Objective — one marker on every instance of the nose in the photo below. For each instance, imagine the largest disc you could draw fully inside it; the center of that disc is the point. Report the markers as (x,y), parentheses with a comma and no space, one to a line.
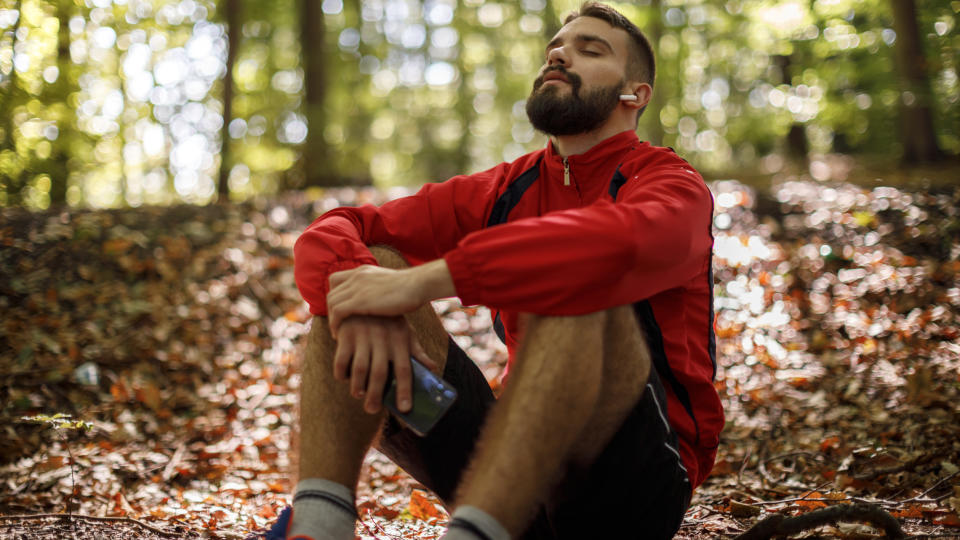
(558,56)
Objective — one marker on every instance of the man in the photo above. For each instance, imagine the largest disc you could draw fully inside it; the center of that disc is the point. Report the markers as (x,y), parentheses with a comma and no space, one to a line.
(594,254)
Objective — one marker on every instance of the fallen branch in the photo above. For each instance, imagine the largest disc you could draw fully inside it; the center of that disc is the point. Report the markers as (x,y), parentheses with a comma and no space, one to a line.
(779,524)
(28,517)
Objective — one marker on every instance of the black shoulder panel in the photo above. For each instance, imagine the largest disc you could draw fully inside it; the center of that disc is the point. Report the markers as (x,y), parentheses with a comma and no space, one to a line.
(616,182)
(511,197)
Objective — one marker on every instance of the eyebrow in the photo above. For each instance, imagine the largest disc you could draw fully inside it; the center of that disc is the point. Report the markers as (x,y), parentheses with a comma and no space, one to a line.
(589,38)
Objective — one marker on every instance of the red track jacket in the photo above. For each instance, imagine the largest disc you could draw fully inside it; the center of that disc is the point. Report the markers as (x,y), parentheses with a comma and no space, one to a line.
(624,223)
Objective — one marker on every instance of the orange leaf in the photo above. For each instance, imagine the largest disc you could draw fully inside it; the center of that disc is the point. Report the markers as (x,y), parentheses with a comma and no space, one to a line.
(950,520)
(911,511)
(119,391)
(829,442)
(149,395)
(812,505)
(55,462)
(423,508)
(116,246)
(266,512)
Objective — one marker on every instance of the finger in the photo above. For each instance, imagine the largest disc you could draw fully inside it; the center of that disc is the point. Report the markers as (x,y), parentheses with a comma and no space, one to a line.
(379,368)
(337,311)
(338,278)
(416,350)
(333,319)
(342,357)
(400,356)
(360,368)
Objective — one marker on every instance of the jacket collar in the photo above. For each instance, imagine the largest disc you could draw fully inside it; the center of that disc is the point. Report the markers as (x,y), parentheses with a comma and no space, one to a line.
(609,149)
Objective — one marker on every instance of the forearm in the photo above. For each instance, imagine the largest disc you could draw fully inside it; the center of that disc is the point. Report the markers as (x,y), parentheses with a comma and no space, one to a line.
(433,280)
(374,290)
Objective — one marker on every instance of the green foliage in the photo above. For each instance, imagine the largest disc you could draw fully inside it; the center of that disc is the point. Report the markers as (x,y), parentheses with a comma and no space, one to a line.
(59,422)
(120,103)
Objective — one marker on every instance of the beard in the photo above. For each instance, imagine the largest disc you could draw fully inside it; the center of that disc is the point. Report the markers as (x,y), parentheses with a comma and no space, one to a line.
(555,114)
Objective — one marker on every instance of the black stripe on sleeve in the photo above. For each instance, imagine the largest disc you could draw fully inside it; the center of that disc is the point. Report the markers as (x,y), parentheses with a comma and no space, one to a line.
(658,354)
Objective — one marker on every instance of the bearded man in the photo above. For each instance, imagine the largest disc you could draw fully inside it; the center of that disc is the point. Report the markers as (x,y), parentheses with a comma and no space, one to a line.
(594,256)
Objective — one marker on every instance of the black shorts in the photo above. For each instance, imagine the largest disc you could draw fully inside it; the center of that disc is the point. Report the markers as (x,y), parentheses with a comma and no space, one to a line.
(637,488)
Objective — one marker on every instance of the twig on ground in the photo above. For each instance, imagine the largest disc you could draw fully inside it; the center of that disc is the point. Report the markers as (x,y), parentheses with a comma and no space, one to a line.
(795,454)
(883,502)
(743,465)
(171,468)
(908,466)
(120,519)
(919,498)
(779,524)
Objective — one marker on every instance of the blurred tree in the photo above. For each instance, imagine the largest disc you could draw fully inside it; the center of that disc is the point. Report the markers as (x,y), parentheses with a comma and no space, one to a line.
(917,99)
(107,103)
(314,154)
(796,139)
(61,90)
(231,12)
(11,165)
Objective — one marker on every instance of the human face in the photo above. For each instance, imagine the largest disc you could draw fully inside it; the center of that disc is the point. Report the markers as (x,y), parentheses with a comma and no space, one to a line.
(583,74)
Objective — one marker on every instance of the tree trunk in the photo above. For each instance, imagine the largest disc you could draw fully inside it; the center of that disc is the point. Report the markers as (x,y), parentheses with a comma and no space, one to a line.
(916,103)
(796,141)
(59,172)
(233,17)
(464,106)
(315,155)
(8,102)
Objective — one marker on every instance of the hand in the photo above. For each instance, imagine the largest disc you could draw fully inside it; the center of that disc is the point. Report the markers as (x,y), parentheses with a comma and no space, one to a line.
(373,290)
(366,348)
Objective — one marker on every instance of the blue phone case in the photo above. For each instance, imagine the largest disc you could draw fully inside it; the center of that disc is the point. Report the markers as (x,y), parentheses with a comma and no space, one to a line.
(432,397)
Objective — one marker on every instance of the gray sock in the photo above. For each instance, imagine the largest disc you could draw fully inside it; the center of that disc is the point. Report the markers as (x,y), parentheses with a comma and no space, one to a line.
(322,510)
(472,523)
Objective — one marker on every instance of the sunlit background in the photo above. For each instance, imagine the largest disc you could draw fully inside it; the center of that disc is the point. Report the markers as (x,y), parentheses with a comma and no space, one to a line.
(108,103)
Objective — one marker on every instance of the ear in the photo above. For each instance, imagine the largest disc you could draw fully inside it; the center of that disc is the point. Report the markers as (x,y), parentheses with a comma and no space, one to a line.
(642,90)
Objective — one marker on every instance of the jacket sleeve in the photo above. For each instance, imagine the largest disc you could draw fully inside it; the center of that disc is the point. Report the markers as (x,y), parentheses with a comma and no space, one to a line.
(657,236)
(422,227)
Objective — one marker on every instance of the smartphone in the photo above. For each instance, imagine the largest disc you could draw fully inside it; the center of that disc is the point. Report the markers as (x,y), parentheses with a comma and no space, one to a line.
(432,397)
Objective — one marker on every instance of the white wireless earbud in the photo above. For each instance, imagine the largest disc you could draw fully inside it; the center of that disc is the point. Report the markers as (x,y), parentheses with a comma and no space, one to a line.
(628,97)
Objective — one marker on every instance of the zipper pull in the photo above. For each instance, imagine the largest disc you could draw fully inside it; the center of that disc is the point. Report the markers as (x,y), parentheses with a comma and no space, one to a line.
(566,172)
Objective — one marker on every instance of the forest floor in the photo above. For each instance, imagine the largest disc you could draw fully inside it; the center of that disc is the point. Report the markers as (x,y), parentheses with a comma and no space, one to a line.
(168,337)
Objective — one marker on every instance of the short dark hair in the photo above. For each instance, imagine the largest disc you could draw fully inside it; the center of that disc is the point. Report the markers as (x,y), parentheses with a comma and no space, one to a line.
(641,65)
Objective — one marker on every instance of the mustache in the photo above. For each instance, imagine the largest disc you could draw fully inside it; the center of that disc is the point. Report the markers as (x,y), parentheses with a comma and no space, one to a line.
(573,78)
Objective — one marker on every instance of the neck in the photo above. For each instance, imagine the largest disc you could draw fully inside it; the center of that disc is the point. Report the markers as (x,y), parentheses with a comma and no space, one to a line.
(570,145)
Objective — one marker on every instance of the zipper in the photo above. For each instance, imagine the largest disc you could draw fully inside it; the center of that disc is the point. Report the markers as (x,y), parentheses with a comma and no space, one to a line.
(566,172)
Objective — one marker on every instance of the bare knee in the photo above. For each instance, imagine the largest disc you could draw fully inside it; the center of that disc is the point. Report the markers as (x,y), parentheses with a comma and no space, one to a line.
(561,325)
(614,331)
(388,257)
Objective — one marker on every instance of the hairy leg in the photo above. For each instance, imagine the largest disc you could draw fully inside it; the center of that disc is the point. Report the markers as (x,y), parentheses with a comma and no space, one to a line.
(335,433)
(626,366)
(574,381)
